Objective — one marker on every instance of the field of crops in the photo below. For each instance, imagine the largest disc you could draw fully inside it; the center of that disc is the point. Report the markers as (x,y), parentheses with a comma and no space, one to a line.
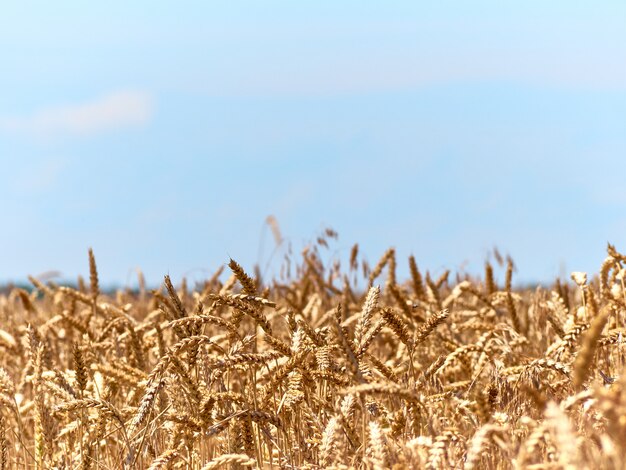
(313,372)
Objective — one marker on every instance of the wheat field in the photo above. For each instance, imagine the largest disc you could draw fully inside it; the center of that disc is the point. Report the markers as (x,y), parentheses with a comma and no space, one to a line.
(312,372)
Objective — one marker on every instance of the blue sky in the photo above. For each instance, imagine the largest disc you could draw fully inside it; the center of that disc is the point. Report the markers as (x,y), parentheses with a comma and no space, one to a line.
(164,136)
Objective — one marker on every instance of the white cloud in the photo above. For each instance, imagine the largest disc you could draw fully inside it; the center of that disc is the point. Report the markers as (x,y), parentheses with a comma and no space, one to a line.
(118,110)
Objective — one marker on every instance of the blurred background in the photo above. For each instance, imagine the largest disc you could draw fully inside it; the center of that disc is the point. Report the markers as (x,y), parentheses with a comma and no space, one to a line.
(163,134)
